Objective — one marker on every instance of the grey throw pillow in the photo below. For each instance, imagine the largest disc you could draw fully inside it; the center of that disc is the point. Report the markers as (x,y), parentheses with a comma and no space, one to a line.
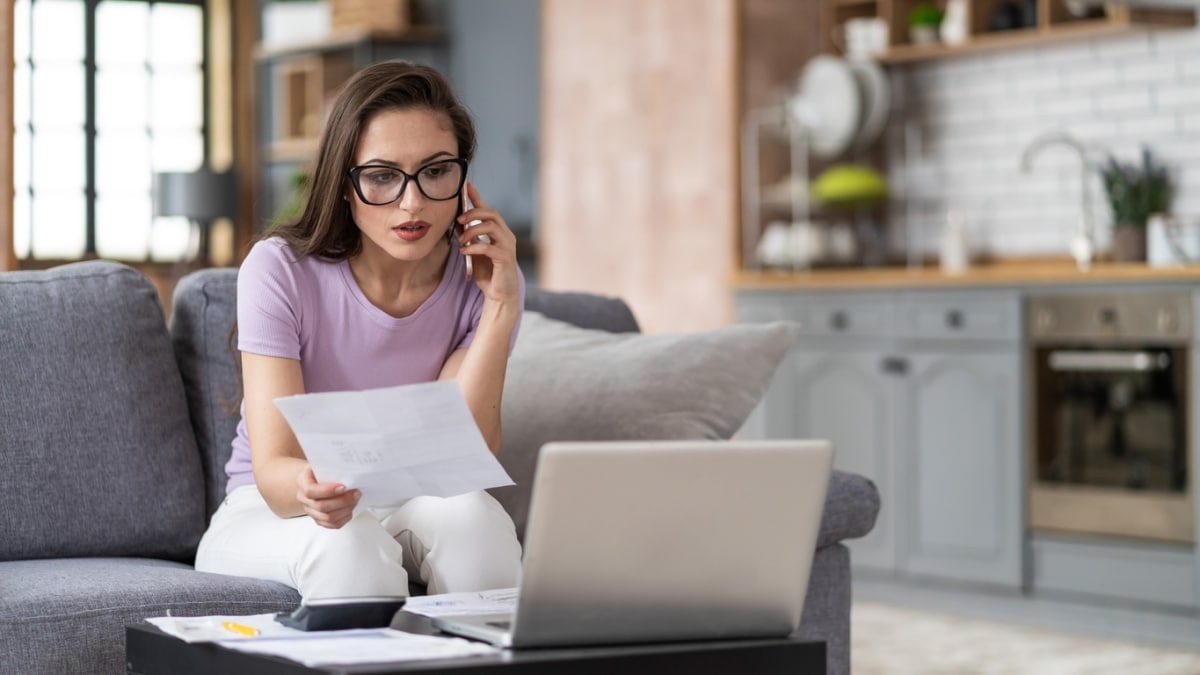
(96,445)
(567,383)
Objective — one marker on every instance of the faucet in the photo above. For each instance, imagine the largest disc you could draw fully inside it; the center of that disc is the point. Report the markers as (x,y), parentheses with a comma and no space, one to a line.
(1083,244)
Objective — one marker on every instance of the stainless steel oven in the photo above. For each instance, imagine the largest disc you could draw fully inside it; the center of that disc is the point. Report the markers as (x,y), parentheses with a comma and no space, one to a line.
(1109,401)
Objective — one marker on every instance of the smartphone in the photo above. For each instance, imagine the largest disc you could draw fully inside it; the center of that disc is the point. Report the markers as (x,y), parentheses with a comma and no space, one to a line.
(342,613)
(467,206)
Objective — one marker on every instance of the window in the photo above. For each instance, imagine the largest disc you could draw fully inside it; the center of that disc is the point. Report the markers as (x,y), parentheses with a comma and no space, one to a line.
(106,93)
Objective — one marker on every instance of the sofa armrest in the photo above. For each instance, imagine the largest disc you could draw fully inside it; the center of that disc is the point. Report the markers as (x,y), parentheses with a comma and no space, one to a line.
(586,310)
(851,505)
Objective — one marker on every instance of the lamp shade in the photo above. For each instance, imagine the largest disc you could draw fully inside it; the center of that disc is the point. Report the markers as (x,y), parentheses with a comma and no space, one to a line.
(201,195)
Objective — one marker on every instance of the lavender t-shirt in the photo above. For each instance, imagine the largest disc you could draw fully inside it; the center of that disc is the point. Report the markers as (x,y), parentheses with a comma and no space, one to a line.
(314,311)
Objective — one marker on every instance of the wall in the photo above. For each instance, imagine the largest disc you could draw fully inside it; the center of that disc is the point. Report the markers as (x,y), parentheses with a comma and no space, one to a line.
(494,66)
(968,119)
(639,165)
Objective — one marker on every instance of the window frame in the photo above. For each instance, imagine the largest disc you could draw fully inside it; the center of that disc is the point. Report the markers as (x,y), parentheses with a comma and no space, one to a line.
(8,254)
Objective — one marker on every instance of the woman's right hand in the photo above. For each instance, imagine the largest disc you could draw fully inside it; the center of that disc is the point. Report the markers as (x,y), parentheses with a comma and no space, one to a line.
(328,504)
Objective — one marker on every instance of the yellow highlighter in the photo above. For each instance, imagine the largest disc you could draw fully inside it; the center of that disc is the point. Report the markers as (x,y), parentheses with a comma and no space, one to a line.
(239,628)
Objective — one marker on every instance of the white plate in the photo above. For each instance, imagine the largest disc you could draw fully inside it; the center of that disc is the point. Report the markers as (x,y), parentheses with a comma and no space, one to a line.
(875,93)
(828,92)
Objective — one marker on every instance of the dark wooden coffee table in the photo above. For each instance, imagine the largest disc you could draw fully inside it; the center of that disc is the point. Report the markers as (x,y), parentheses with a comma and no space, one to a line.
(149,651)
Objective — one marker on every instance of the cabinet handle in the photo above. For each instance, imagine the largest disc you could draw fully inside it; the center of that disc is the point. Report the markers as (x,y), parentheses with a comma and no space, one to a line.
(1108,361)
(895,365)
(839,321)
(954,319)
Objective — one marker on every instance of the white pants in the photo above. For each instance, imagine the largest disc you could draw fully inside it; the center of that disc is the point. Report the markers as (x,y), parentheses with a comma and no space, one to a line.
(452,544)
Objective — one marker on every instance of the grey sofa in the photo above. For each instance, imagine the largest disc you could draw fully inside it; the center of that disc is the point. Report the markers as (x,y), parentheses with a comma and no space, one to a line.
(114,429)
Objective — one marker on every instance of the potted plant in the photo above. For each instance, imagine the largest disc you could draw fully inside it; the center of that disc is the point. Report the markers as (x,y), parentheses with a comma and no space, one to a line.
(923,22)
(1135,191)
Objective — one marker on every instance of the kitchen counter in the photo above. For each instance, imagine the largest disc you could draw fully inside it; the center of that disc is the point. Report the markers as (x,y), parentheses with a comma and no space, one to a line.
(1012,272)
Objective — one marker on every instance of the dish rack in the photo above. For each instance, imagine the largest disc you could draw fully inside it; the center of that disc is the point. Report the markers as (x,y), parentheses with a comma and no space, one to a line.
(770,120)
(837,105)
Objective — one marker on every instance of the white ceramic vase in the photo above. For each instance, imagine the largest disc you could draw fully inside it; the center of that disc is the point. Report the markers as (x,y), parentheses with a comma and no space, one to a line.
(953,29)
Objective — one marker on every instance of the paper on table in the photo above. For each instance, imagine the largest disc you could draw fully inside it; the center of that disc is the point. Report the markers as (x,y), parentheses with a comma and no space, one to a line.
(394,443)
(497,601)
(318,648)
(210,628)
(383,646)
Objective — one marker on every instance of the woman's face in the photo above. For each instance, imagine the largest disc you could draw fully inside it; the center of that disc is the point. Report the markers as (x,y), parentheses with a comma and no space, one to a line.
(409,228)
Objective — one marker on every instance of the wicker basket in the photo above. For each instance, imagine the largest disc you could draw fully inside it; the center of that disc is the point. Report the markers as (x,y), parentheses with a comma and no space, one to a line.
(358,15)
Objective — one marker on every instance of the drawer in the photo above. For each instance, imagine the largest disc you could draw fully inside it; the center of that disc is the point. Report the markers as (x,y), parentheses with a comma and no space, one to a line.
(766,307)
(850,316)
(959,316)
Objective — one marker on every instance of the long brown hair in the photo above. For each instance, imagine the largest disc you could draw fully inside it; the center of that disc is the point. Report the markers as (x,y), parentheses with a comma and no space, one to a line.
(325,227)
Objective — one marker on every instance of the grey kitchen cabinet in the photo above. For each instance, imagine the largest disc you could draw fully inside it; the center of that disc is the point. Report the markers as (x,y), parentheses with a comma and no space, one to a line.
(920,392)
(833,385)
(957,420)
(844,396)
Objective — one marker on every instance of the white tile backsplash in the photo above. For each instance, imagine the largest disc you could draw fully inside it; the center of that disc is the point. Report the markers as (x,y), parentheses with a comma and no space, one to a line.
(1185,95)
(1189,122)
(969,118)
(1152,126)
(1122,99)
(1189,65)
(1149,70)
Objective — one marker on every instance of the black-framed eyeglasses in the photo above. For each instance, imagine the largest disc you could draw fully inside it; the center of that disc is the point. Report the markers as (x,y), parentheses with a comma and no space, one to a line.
(380,184)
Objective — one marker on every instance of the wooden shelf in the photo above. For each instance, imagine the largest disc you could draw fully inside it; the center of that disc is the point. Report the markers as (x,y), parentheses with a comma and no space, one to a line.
(1026,37)
(1008,272)
(348,40)
(1054,25)
(292,150)
(307,76)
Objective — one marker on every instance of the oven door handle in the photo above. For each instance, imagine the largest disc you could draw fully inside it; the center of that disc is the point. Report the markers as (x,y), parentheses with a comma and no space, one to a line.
(1110,361)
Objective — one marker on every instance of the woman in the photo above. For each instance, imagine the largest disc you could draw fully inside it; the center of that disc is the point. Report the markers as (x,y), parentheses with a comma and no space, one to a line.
(371,287)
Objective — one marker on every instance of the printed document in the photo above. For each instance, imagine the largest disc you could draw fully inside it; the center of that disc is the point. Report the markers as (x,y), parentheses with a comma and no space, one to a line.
(385,646)
(317,648)
(394,443)
(495,601)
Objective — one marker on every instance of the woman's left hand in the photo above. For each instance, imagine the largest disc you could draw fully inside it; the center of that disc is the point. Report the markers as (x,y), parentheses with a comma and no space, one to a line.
(494,262)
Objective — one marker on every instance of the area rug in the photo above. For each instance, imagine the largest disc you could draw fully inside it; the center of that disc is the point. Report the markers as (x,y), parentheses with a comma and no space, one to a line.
(890,640)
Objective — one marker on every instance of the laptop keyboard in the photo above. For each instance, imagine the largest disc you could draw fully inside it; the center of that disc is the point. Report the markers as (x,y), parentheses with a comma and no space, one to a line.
(504,625)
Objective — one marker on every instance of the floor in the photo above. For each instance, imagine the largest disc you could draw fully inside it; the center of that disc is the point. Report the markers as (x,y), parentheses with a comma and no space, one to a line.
(888,640)
(909,633)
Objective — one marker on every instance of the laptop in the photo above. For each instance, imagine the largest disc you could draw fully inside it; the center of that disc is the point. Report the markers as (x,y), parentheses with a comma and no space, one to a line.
(656,541)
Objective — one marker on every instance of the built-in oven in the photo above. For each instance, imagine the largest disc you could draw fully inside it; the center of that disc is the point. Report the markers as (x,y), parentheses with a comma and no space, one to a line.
(1109,401)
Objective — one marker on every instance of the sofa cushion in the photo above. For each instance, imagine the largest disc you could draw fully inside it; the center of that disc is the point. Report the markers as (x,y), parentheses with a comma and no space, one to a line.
(203,313)
(69,615)
(98,453)
(570,383)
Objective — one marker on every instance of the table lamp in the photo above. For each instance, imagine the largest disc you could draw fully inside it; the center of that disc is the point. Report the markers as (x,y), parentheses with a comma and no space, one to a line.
(202,196)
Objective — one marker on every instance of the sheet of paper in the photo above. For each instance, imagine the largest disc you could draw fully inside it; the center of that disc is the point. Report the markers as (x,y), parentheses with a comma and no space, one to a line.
(394,443)
(385,646)
(498,601)
(211,628)
(318,648)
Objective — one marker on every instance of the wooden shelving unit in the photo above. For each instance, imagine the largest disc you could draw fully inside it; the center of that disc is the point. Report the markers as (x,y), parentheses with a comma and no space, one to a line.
(300,82)
(307,76)
(1054,24)
(353,39)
